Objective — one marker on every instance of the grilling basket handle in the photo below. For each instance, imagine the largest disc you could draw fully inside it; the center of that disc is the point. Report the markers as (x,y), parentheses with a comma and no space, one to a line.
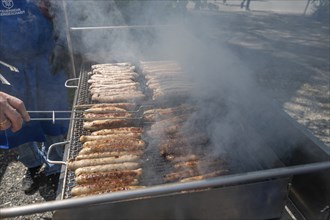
(68,83)
(51,148)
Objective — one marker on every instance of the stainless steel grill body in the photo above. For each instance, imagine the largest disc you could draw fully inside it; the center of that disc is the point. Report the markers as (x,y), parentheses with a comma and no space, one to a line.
(257,188)
(258,200)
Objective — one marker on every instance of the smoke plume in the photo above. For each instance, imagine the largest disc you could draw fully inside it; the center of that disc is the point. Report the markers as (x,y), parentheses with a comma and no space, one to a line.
(224,91)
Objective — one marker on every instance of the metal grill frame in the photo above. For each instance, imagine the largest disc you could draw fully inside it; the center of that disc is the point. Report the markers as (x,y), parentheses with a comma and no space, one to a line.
(71,149)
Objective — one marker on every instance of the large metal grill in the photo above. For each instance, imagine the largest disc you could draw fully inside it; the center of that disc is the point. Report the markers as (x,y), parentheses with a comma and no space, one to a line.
(256,188)
(153,165)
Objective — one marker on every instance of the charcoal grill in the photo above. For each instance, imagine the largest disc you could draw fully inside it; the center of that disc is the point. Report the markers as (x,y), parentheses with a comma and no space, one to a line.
(250,199)
(256,188)
(154,160)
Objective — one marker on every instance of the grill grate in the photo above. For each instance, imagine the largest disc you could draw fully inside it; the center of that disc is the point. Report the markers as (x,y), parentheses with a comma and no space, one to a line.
(153,164)
(150,158)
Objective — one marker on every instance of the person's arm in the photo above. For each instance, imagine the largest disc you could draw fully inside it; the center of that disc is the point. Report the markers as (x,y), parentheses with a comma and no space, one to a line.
(12,112)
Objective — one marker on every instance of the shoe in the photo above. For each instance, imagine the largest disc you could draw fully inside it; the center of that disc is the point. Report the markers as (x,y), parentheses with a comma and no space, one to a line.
(53,180)
(30,182)
(48,186)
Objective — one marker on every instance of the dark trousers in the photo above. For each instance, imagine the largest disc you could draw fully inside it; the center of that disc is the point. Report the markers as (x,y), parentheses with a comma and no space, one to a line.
(247,6)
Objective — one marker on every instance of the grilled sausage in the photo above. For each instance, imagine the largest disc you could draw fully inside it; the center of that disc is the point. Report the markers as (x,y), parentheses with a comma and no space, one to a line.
(123,130)
(171,177)
(107,148)
(104,116)
(169,130)
(119,86)
(108,154)
(85,138)
(116,189)
(164,96)
(105,176)
(126,106)
(120,98)
(189,157)
(105,109)
(93,187)
(97,93)
(186,164)
(114,73)
(75,164)
(109,81)
(205,176)
(168,122)
(111,95)
(107,124)
(106,87)
(165,112)
(104,90)
(126,76)
(115,142)
(108,167)
(118,65)
(112,66)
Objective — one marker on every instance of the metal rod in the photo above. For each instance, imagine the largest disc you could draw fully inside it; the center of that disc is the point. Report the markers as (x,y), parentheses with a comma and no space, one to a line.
(77,118)
(165,189)
(88,111)
(68,37)
(118,27)
(54,118)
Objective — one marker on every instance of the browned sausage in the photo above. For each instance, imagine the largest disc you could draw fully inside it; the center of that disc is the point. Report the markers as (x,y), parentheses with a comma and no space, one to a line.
(107,167)
(108,154)
(73,165)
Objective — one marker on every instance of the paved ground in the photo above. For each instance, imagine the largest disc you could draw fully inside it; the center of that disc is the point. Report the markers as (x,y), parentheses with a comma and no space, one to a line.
(277,6)
(288,54)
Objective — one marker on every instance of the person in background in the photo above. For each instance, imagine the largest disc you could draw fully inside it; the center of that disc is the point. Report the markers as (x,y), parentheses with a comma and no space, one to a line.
(29,41)
(247,5)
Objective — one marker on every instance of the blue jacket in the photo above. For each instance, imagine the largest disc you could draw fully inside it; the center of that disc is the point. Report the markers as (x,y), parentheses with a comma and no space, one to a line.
(26,42)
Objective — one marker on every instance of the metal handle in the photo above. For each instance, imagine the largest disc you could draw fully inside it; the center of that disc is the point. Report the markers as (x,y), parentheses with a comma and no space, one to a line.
(164,189)
(70,80)
(50,149)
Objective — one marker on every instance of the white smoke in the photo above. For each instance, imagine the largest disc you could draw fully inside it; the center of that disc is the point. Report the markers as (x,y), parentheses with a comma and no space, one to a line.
(225,91)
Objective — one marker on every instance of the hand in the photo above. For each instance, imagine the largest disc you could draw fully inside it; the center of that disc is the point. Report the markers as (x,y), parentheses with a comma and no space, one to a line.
(12,112)
(58,59)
